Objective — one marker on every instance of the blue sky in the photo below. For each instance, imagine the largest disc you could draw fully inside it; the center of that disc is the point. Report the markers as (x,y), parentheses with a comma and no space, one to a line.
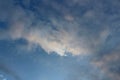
(59,40)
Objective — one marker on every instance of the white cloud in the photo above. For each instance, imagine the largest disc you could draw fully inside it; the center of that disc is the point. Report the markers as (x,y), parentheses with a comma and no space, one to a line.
(66,39)
(60,42)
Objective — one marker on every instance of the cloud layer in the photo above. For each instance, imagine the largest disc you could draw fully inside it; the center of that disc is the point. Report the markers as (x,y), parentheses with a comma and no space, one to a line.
(77,27)
(61,33)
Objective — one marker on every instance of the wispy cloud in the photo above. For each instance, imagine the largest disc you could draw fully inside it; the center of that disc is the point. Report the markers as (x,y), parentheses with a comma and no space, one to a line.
(5,69)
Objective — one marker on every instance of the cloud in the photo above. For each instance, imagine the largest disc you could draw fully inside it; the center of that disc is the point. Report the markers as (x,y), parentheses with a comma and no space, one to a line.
(69,37)
(77,27)
(62,40)
(70,33)
(109,63)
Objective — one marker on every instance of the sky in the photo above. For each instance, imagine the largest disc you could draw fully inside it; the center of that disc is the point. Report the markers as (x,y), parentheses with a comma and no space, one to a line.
(59,39)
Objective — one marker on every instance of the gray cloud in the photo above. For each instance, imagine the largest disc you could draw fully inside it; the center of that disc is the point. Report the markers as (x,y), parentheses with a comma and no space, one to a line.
(71,33)
(109,63)
(68,33)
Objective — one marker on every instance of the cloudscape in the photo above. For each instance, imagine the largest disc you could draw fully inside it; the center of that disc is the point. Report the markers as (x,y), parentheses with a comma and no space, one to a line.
(59,40)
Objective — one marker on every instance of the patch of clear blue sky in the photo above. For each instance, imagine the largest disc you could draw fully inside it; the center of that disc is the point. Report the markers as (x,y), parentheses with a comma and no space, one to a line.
(38,64)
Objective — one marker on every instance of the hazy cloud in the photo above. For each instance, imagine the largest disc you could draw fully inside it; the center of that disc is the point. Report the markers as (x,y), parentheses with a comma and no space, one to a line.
(109,63)
(71,34)
(65,34)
